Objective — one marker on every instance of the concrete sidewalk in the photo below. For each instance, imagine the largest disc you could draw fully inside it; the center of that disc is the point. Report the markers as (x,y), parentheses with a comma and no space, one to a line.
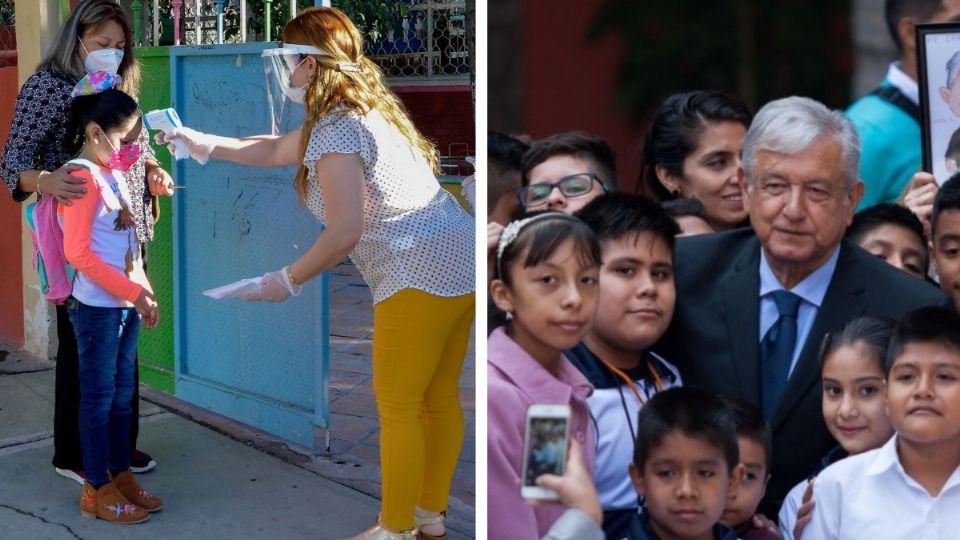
(218,479)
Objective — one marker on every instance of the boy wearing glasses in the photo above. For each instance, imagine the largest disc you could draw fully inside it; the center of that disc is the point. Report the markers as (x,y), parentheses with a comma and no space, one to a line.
(565,171)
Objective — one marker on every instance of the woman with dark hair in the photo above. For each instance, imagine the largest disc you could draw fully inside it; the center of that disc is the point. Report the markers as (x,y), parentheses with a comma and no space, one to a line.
(692,150)
(95,37)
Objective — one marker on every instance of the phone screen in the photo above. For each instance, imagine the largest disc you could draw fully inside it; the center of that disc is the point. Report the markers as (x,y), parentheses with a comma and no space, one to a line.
(546,453)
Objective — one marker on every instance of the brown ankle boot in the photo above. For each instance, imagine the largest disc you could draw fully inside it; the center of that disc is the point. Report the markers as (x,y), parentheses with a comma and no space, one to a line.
(107,503)
(128,487)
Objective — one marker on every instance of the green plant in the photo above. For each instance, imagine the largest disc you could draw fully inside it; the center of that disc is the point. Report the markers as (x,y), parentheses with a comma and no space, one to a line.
(375,18)
(7,17)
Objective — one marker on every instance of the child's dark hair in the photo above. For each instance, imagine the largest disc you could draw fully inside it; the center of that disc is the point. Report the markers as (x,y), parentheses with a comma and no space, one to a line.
(684,206)
(504,155)
(675,131)
(693,412)
(936,324)
(868,219)
(948,198)
(953,147)
(540,239)
(109,109)
(751,425)
(614,215)
(577,144)
(872,331)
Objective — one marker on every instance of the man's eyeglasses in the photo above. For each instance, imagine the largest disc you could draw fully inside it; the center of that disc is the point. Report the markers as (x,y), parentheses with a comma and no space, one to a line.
(574,185)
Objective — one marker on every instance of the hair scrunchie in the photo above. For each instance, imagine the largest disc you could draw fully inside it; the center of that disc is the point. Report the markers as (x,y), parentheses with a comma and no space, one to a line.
(94,83)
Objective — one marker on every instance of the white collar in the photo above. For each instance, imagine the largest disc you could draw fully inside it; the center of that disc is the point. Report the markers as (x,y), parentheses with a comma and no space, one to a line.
(903,82)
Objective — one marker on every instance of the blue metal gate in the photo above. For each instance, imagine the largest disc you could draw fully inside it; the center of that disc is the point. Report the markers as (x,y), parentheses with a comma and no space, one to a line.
(262,364)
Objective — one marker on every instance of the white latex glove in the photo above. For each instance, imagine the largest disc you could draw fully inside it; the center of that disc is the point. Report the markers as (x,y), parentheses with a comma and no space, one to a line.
(468,190)
(201,145)
(275,287)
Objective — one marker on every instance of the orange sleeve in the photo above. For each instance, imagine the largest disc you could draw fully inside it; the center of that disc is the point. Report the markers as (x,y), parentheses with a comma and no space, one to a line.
(77,226)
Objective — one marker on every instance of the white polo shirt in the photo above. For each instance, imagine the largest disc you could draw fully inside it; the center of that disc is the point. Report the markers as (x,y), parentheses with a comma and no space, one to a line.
(870,496)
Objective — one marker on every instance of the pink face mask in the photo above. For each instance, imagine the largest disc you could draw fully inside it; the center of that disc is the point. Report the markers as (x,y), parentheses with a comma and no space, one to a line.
(124,157)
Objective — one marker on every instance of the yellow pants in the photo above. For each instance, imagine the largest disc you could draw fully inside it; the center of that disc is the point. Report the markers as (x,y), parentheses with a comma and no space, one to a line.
(419,342)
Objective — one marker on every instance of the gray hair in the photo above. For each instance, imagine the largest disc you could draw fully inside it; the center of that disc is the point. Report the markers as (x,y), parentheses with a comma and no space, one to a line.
(953,67)
(790,125)
(63,57)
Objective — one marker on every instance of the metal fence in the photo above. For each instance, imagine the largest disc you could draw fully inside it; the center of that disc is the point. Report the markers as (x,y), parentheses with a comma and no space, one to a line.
(428,40)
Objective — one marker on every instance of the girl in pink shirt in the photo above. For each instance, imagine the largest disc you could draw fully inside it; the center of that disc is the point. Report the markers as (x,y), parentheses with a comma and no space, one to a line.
(546,280)
(110,295)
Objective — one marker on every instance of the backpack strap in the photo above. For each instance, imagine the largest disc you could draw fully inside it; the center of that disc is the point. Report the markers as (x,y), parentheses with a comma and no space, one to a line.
(891,94)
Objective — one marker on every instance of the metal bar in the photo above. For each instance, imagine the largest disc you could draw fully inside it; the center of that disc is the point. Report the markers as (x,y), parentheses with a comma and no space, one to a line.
(137,7)
(219,21)
(177,6)
(293,9)
(266,20)
(197,25)
(156,23)
(243,21)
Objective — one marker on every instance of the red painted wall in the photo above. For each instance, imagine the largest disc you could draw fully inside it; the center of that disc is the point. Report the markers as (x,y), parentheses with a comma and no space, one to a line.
(11,274)
(442,114)
(570,85)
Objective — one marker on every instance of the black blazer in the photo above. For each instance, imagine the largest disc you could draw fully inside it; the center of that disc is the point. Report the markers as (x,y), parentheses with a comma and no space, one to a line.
(714,337)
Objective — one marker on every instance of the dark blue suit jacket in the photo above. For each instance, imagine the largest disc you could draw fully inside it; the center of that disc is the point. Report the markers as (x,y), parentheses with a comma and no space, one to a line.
(714,337)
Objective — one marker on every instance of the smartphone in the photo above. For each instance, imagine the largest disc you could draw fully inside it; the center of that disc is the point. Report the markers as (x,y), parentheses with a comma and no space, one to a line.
(544,448)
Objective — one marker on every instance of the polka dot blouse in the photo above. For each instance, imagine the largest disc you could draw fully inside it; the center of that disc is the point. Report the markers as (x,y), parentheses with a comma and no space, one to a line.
(415,235)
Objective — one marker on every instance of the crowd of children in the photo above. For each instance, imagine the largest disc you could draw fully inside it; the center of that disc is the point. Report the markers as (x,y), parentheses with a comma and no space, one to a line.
(582,277)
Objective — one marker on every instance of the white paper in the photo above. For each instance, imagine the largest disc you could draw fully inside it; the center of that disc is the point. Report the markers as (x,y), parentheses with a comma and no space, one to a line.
(237,289)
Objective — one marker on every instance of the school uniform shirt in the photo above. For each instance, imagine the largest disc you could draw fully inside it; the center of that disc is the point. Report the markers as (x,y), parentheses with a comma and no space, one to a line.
(793,501)
(869,495)
(640,529)
(100,241)
(415,233)
(613,414)
(515,380)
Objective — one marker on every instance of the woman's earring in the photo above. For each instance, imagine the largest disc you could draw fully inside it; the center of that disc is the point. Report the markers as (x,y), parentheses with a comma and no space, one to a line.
(509,315)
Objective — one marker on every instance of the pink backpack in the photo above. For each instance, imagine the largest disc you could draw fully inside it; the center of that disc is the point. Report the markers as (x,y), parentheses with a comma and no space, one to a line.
(56,275)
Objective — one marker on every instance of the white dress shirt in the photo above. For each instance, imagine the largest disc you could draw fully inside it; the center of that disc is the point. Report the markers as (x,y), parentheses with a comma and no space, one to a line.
(870,496)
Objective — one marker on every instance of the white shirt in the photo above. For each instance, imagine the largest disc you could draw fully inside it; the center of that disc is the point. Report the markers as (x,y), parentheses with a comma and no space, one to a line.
(870,496)
(789,508)
(415,233)
(811,290)
(614,412)
(903,82)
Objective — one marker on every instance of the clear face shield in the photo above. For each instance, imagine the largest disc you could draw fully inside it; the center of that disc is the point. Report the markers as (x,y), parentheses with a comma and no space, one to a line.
(279,66)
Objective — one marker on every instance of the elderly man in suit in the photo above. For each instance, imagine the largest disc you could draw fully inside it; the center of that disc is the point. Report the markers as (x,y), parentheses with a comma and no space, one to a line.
(753,305)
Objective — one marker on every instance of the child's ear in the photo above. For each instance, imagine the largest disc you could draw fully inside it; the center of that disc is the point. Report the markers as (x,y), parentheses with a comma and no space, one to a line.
(736,477)
(637,480)
(94,131)
(501,295)
(945,94)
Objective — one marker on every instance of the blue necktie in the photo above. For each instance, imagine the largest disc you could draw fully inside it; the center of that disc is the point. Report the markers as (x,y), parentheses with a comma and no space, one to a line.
(776,350)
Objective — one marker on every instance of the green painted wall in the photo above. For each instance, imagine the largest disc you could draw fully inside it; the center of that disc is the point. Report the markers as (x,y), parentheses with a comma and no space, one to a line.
(156,345)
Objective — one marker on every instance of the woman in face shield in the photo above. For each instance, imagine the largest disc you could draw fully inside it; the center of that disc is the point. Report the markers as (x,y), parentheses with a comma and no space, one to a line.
(369,175)
(95,37)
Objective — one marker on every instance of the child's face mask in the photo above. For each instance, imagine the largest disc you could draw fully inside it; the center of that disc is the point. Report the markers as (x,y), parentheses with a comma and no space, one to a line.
(124,157)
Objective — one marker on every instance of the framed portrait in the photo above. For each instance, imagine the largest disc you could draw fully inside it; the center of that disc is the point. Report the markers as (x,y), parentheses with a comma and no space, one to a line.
(938,71)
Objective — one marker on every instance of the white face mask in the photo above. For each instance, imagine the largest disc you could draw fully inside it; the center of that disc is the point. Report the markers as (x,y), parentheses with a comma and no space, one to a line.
(297,95)
(102,60)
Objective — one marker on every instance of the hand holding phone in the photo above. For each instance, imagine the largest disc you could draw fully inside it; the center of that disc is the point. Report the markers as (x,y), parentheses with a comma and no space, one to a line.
(545,443)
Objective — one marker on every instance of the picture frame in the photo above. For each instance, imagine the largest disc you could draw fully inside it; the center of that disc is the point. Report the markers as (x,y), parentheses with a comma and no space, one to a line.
(938,78)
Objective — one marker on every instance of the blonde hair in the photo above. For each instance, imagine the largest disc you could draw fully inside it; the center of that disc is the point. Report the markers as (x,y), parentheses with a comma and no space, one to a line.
(63,58)
(361,89)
